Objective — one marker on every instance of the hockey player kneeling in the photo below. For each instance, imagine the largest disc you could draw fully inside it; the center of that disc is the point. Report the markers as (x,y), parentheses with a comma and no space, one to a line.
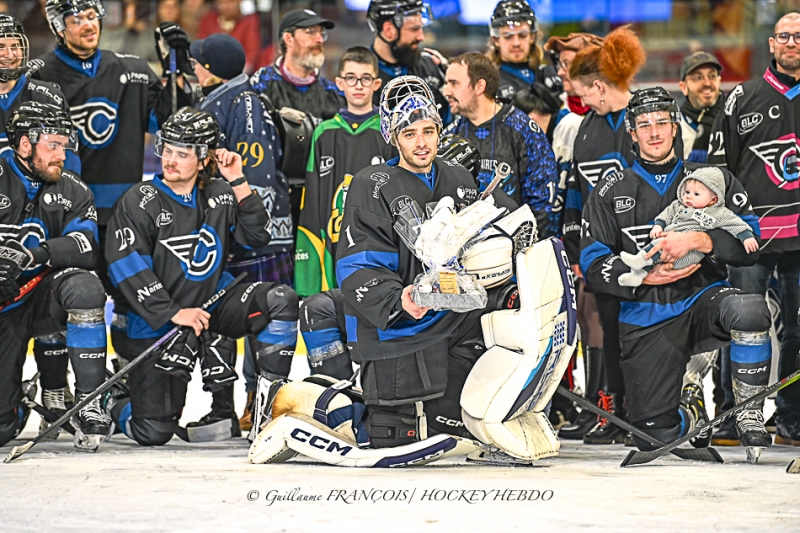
(48,246)
(166,250)
(422,369)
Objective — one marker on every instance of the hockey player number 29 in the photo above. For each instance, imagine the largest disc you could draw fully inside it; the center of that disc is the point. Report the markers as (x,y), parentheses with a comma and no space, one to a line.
(126,237)
(247,150)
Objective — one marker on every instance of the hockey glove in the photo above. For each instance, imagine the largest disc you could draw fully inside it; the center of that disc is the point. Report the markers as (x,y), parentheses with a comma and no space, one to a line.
(180,355)
(171,36)
(14,258)
(219,355)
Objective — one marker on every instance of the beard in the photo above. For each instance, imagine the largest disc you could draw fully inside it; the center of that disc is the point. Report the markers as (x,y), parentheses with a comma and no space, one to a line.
(312,60)
(406,54)
(48,173)
(789,66)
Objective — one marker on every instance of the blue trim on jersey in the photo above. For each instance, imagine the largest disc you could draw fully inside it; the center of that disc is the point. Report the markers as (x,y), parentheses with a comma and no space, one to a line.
(525,74)
(698,156)
(105,194)
(152,123)
(747,353)
(183,199)
(82,224)
(791,93)
(127,267)
(620,120)
(89,67)
(645,314)
(321,337)
(391,70)
(659,182)
(31,187)
(563,112)
(347,266)
(574,200)
(7,100)
(351,328)
(752,221)
(86,335)
(408,328)
(590,253)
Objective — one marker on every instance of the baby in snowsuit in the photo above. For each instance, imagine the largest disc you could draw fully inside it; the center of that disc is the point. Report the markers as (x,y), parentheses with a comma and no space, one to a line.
(700,207)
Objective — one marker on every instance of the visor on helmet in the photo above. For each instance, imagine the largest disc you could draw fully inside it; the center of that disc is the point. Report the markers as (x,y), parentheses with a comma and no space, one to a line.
(54,137)
(178,151)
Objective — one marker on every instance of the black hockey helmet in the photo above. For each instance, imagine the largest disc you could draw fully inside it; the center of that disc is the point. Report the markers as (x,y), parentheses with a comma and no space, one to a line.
(189,128)
(379,11)
(11,29)
(37,120)
(57,10)
(516,12)
(650,100)
(456,148)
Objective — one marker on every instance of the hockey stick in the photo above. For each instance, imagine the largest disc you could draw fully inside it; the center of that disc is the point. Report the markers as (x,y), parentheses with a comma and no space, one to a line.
(637,457)
(173,79)
(707,454)
(25,289)
(17,451)
(45,413)
(794,467)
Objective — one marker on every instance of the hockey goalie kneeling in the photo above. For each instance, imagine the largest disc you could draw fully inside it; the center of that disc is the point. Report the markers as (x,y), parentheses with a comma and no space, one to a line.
(502,400)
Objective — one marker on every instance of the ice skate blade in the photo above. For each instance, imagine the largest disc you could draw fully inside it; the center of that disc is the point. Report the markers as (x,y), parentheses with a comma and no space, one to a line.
(87,443)
(490,458)
(753,454)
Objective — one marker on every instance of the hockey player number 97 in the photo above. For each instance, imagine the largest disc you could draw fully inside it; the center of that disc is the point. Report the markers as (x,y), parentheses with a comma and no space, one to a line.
(247,150)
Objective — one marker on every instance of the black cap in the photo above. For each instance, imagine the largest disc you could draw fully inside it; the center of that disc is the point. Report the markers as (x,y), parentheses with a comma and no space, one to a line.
(220,54)
(698,59)
(303,18)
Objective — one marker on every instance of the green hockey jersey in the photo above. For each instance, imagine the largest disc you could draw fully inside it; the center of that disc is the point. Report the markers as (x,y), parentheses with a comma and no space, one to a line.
(340,148)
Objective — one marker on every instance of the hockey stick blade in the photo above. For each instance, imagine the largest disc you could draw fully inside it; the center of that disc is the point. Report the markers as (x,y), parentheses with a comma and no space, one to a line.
(794,467)
(17,451)
(637,457)
(708,454)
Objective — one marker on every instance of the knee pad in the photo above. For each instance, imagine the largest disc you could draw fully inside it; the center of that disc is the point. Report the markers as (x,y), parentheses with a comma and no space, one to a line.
(529,350)
(275,302)
(751,357)
(666,428)
(391,426)
(150,432)
(82,290)
(745,312)
(319,325)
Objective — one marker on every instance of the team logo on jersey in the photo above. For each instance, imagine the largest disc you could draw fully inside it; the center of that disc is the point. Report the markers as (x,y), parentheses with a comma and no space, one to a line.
(200,252)
(325,165)
(164,219)
(5,202)
(780,160)
(337,208)
(623,204)
(640,235)
(381,179)
(401,204)
(52,198)
(594,171)
(96,121)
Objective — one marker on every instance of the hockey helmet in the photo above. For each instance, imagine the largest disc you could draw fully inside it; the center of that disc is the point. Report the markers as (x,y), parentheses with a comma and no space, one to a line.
(650,100)
(514,12)
(405,100)
(11,30)
(380,11)
(58,10)
(38,121)
(191,129)
(462,151)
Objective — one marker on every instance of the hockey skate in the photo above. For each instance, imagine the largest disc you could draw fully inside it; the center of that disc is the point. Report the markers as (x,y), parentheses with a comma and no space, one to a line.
(492,456)
(752,433)
(29,390)
(55,401)
(692,401)
(92,426)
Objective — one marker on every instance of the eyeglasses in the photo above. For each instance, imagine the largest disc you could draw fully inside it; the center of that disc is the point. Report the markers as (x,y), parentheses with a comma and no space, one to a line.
(783,37)
(698,77)
(351,80)
(314,32)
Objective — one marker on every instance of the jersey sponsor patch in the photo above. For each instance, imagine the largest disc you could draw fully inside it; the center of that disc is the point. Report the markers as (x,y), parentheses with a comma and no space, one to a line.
(623,204)
(780,160)
(5,202)
(747,123)
(200,252)
(84,246)
(381,179)
(96,121)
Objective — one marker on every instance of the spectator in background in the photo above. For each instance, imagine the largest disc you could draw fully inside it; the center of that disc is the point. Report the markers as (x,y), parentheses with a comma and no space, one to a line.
(135,35)
(40,39)
(541,105)
(226,17)
(168,11)
(700,84)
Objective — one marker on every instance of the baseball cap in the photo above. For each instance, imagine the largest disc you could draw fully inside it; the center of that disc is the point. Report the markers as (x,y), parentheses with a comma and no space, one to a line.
(303,18)
(698,59)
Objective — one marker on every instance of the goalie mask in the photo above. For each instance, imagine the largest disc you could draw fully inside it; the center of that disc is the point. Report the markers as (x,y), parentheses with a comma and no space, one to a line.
(404,101)
(14,48)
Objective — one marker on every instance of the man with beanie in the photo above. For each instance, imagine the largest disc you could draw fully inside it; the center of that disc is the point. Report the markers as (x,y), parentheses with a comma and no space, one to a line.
(700,84)
(247,128)
(294,82)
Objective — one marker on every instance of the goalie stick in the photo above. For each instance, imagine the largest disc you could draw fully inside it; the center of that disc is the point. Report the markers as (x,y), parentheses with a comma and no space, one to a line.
(637,457)
(17,451)
(707,454)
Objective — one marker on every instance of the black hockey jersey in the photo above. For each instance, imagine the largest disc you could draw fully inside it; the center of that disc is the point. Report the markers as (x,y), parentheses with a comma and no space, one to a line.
(167,252)
(516,77)
(61,214)
(373,265)
(512,137)
(603,146)
(756,138)
(114,100)
(618,217)
(426,69)
(338,151)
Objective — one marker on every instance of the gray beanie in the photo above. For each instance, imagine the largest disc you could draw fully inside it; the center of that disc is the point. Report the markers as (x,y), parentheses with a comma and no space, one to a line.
(711,177)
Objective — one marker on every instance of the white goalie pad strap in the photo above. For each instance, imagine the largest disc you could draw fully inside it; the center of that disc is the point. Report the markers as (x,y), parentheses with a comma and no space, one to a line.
(306,436)
(697,368)
(301,397)
(512,222)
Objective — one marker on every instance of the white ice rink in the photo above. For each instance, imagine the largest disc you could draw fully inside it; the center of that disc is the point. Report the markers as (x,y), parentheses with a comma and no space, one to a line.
(212,487)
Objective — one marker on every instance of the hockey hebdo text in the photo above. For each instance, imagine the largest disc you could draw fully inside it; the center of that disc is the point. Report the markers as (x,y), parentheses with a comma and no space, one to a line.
(408,496)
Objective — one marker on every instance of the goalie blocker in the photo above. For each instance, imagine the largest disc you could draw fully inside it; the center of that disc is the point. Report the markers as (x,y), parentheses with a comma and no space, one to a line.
(502,397)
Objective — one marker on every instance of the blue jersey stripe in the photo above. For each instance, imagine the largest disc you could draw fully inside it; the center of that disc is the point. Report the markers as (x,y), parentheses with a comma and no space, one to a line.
(350,264)
(82,224)
(645,314)
(592,252)
(126,267)
(574,200)
(752,221)
(410,328)
(351,327)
